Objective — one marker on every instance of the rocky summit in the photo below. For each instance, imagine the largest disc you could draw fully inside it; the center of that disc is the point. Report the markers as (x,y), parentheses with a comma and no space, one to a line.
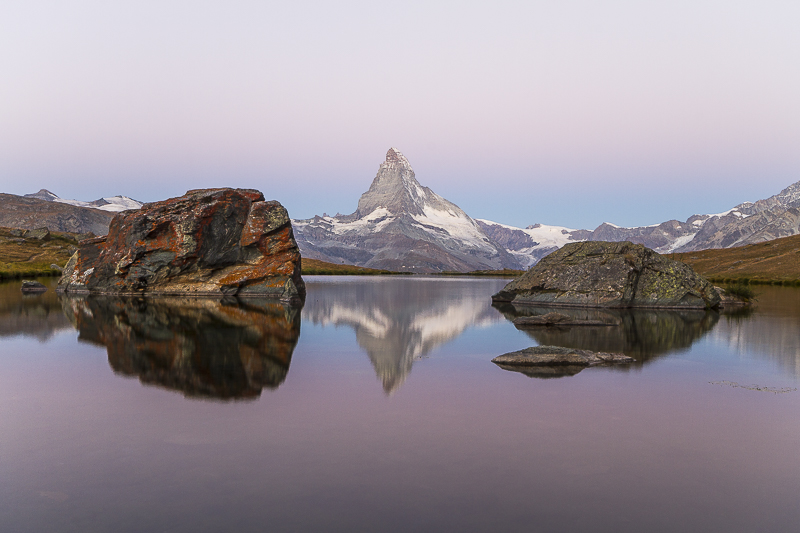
(207,242)
(610,274)
(401,225)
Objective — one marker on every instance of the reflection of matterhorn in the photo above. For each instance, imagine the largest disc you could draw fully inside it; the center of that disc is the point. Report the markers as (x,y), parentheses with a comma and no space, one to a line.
(396,321)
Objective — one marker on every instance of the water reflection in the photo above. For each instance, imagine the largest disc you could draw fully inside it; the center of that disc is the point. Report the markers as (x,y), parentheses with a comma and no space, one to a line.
(772,332)
(208,348)
(33,315)
(642,333)
(398,320)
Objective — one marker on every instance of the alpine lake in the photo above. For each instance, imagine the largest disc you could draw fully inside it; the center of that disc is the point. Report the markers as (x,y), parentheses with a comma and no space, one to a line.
(376,407)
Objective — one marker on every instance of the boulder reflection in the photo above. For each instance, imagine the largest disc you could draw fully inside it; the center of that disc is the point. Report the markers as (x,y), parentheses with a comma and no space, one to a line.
(398,321)
(205,348)
(641,333)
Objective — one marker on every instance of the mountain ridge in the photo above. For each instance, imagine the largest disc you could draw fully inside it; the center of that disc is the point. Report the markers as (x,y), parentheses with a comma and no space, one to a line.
(746,223)
(113,204)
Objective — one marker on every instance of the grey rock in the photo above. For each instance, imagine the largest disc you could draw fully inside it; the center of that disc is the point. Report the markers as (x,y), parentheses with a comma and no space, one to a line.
(560,356)
(32,286)
(603,274)
(56,267)
(39,234)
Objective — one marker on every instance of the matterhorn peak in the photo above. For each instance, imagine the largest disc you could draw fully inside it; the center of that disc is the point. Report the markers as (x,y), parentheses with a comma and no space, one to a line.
(394,188)
(395,156)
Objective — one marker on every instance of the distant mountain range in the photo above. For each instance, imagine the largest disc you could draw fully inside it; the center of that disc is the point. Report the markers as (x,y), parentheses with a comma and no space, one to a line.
(31,213)
(401,225)
(45,209)
(114,204)
(747,223)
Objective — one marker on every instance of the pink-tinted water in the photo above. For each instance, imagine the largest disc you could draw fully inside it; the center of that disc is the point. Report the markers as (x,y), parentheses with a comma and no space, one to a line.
(391,417)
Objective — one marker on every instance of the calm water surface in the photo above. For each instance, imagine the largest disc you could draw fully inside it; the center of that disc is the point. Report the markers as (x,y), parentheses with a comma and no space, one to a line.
(376,408)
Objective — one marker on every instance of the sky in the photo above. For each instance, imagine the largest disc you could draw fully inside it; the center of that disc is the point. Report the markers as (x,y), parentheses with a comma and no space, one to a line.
(568,113)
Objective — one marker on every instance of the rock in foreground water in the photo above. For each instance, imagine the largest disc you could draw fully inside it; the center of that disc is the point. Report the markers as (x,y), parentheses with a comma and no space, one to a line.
(207,242)
(32,286)
(559,356)
(610,274)
(558,320)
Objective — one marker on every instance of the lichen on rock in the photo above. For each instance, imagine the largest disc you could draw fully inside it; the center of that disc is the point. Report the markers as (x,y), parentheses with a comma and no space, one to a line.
(207,242)
(610,274)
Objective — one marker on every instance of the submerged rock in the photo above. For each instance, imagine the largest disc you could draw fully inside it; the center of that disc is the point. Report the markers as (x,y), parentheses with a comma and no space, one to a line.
(207,242)
(32,286)
(610,274)
(557,319)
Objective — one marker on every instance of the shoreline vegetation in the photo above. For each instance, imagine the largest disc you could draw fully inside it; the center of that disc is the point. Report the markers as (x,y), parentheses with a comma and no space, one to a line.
(23,257)
(775,262)
(315,267)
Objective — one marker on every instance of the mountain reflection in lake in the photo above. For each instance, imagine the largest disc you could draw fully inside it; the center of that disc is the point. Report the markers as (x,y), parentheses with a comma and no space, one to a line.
(640,333)
(202,347)
(703,436)
(397,320)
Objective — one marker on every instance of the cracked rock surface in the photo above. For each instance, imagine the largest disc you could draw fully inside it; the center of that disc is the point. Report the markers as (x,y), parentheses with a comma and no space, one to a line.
(610,274)
(207,242)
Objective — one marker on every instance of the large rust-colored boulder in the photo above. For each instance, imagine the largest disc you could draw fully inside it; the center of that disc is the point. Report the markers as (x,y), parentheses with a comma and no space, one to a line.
(207,242)
(610,274)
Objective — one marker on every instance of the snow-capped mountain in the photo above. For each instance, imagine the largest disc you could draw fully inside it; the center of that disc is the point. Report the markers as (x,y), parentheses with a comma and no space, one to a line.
(530,244)
(401,225)
(747,223)
(113,204)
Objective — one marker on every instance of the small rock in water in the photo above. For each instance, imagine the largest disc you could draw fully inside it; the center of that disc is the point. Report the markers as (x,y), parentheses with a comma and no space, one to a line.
(559,356)
(32,286)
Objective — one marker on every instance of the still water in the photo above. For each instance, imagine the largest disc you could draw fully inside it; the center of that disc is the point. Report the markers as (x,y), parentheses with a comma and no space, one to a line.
(376,408)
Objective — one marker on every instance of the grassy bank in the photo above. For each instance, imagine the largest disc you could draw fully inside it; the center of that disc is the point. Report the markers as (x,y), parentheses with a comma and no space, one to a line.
(768,263)
(315,267)
(23,258)
(504,273)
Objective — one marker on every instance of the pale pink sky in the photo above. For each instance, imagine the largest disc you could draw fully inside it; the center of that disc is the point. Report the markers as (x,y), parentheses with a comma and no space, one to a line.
(567,113)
